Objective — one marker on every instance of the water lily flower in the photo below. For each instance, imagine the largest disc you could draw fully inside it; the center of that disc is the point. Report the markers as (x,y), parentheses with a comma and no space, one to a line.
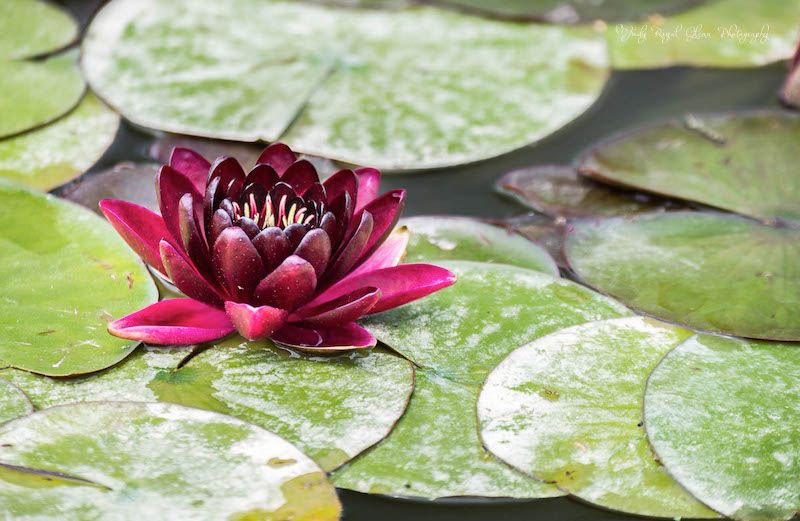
(272,253)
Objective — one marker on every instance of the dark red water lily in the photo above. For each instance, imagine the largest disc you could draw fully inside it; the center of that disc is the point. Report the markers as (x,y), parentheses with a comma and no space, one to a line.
(272,253)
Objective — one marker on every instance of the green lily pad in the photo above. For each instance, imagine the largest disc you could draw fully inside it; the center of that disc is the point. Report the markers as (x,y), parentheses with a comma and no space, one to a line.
(720,33)
(52,155)
(435,452)
(573,11)
(13,402)
(65,274)
(134,182)
(430,88)
(437,238)
(32,27)
(722,415)
(457,336)
(332,408)
(567,409)
(35,93)
(716,272)
(558,191)
(463,331)
(161,461)
(544,231)
(743,163)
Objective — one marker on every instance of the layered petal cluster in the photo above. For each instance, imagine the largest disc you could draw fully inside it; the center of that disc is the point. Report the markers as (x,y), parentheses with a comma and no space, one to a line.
(270,253)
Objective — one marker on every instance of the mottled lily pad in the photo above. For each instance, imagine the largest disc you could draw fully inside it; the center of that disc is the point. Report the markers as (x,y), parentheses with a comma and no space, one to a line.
(722,414)
(35,93)
(457,336)
(130,460)
(52,155)
(13,402)
(65,274)
(438,238)
(744,163)
(33,27)
(720,33)
(573,11)
(558,191)
(431,88)
(134,182)
(567,409)
(332,408)
(716,272)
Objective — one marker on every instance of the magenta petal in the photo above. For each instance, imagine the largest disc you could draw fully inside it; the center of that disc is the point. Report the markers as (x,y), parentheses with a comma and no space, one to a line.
(273,246)
(369,180)
(192,165)
(192,239)
(141,228)
(186,277)
(316,249)
(301,176)
(346,308)
(352,250)
(278,156)
(255,323)
(231,179)
(289,285)
(385,211)
(219,221)
(319,340)
(343,181)
(172,186)
(399,285)
(237,263)
(174,322)
(388,254)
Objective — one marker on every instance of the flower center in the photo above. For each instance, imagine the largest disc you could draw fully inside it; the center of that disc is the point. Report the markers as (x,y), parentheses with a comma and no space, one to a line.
(281,213)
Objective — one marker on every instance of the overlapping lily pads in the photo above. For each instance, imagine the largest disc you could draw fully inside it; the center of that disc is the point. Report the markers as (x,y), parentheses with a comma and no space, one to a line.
(32,27)
(64,275)
(437,238)
(52,155)
(160,461)
(558,191)
(722,415)
(13,402)
(567,409)
(739,162)
(430,88)
(717,272)
(134,182)
(719,33)
(456,336)
(332,408)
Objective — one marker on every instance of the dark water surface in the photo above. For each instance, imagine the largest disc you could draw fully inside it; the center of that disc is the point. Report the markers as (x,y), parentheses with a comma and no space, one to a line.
(630,99)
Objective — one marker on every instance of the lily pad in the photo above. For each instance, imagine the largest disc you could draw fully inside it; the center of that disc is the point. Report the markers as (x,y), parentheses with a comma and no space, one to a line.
(720,33)
(13,402)
(134,182)
(567,409)
(544,231)
(457,336)
(35,93)
(52,155)
(438,238)
(464,331)
(558,191)
(744,163)
(65,274)
(717,272)
(332,408)
(33,27)
(573,11)
(430,88)
(722,415)
(160,461)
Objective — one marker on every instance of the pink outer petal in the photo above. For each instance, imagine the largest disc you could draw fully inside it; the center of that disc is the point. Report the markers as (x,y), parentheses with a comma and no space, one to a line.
(192,165)
(388,255)
(385,211)
(369,180)
(174,322)
(346,308)
(278,156)
(141,228)
(255,323)
(325,340)
(399,285)
(186,277)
